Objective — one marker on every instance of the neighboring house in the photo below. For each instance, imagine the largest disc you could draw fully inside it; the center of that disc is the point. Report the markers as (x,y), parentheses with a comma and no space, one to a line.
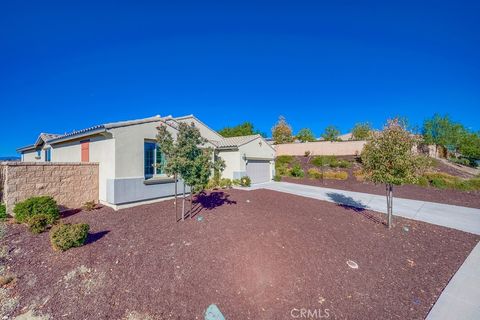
(127,152)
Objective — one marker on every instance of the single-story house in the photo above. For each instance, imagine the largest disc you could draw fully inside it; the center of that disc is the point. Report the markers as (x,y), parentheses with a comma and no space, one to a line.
(126,152)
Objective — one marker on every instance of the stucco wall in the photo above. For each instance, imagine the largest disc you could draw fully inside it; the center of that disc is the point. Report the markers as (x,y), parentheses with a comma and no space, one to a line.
(30,156)
(205,131)
(70,184)
(319,148)
(232,163)
(129,148)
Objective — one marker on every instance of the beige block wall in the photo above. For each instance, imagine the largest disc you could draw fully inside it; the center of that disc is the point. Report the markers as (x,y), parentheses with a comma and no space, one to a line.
(70,184)
(320,148)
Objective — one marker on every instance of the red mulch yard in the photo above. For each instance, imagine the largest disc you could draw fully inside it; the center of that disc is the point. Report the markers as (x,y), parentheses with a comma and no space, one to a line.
(257,255)
(415,192)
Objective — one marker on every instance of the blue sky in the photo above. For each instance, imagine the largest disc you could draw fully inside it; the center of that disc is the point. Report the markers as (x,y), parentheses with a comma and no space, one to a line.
(71,64)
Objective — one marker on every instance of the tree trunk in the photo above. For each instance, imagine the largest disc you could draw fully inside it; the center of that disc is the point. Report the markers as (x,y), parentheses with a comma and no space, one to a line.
(389,194)
(176,193)
(183,202)
(191,201)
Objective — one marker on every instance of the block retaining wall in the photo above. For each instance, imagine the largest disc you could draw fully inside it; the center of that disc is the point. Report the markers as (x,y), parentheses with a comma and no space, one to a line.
(70,184)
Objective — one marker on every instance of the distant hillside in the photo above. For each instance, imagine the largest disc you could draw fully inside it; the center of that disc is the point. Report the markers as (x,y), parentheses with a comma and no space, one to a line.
(12,158)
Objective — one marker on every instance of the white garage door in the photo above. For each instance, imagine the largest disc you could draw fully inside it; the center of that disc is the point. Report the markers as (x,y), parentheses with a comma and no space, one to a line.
(258,170)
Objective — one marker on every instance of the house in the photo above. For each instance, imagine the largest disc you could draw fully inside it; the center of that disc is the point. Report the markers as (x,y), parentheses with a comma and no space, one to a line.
(126,152)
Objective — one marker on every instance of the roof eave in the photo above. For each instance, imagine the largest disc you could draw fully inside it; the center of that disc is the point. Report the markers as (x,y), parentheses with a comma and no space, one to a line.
(76,136)
(26,148)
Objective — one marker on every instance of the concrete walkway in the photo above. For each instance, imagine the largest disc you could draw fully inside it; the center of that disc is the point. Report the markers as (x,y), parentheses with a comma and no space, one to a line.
(461,297)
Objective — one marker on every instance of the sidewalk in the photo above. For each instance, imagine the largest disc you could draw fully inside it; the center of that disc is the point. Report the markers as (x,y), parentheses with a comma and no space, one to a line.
(461,297)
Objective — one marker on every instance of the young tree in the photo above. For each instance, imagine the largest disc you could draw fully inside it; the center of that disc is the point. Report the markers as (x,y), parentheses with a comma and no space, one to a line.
(470,146)
(305,135)
(389,158)
(282,131)
(331,133)
(243,129)
(188,158)
(361,131)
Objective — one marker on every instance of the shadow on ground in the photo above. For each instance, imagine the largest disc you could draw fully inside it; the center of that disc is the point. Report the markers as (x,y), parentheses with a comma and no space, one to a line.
(351,204)
(93,237)
(210,201)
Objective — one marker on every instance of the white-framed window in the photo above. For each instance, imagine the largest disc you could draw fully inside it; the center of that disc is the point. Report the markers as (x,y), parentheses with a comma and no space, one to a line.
(154,160)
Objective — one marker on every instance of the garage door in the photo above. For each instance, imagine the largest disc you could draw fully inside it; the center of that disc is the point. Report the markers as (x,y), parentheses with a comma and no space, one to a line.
(258,170)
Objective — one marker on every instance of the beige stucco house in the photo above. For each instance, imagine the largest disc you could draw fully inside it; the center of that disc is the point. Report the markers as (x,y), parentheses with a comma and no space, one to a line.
(126,153)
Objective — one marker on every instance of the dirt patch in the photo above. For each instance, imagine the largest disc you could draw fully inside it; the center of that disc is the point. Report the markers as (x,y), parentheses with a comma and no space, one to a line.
(455,197)
(259,255)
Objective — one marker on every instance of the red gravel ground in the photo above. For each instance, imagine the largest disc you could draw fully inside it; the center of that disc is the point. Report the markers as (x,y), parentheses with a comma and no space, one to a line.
(455,197)
(257,255)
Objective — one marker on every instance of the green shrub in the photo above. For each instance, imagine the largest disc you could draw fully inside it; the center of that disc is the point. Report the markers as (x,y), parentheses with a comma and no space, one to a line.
(66,236)
(36,205)
(314,173)
(236,182)
(422,181)
(277,178)
(473,184)
(284,160)
(212,184)
(297,171)
(38,223)
(335,175)
(245,181)
(282,163)
(3,212)
(324,161)
(89,206)
(343,164)
(225,183)
(462,161)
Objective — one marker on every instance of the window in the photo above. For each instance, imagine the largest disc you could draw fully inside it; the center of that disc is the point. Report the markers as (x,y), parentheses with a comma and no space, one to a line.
(153,155)
(48,155)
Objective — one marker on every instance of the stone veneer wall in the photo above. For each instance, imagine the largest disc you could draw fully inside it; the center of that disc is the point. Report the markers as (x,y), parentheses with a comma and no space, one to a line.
(70,184)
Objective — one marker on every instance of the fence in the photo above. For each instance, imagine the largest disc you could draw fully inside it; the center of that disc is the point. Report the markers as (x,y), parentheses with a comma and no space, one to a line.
(321,148)
(70,184)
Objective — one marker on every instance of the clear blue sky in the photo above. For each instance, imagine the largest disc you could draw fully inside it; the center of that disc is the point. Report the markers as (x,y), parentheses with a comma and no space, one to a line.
(71,64)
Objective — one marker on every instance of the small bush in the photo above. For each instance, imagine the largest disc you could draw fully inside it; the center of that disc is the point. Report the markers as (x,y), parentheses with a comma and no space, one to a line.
(3,212)
(212,184)
(296,171)
(245,181)
(282,163)
(38,223)
(335,175)
(422,181)
(323,161)
(314,173)
(284,160)
(225,183)
(473,184)
(36,205)
(66,236)
(89,206)
(359,175)
(462,161)
(277,178)
(343,164)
